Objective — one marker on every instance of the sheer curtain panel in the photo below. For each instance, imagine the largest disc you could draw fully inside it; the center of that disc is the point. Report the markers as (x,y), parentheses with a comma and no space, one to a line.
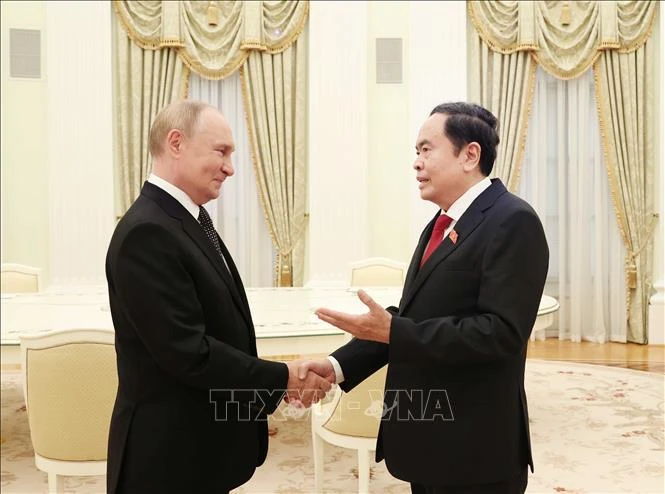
(237,213)
(565,179)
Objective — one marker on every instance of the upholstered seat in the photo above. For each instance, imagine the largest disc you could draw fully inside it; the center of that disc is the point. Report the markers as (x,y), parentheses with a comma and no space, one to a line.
(349,420)
(377,271)
(17,278)
(70,383)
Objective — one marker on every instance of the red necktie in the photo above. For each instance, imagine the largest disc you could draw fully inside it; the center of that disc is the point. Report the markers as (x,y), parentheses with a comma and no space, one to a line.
(442,222)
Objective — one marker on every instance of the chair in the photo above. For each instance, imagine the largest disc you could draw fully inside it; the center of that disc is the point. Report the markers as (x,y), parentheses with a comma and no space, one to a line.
(349,420)
(377,271)
(69,383)
(17,278)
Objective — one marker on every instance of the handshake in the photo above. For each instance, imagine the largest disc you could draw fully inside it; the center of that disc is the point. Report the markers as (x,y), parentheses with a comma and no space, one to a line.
(309,381)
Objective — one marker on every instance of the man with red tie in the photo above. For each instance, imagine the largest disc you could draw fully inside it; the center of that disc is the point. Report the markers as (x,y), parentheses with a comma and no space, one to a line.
(455,412)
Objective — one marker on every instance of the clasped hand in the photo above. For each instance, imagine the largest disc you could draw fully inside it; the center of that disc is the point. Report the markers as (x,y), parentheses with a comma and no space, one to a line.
(308,382)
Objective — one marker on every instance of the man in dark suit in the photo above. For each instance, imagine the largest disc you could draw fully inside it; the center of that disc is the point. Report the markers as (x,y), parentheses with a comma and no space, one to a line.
(455,411)
(193,397)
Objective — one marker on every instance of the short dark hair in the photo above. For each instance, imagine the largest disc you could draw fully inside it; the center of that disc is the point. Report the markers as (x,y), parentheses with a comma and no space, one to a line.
(468,122)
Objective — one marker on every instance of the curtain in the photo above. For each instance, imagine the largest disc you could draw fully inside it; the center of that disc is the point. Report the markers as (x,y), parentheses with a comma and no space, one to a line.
(564,179)
(213,38)
(145,81)
(237,214)
(565,38)
(264,39)
(503,83)
(274,89)
(625,99)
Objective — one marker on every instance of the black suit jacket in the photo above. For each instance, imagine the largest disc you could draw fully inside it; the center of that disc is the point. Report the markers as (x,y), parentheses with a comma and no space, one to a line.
(455,407)
(185,417)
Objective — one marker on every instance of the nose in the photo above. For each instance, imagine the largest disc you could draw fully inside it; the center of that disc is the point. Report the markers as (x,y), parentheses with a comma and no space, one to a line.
(417,164)
(227,167)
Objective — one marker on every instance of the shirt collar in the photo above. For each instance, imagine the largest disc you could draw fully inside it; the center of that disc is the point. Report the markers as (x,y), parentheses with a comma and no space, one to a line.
(459,207)
(178,194)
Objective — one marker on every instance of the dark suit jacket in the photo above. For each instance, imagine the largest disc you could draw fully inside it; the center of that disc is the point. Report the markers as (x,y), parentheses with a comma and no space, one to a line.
(183,328)
(456,411)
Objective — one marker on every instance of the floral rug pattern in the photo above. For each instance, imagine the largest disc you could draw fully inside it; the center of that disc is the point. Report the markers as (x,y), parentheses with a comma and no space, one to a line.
(594,430)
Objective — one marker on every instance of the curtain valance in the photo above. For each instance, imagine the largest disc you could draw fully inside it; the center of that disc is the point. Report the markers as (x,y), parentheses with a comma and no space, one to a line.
(213,38)
(564,37)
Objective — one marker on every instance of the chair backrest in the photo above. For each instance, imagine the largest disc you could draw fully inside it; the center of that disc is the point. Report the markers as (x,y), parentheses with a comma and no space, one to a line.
(358,412)
(70,384)
(17,278)
(377,271)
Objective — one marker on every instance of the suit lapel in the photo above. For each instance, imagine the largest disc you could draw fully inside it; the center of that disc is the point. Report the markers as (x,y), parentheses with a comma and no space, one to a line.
(240,289)
(469,221)
(414,266)
(193,229)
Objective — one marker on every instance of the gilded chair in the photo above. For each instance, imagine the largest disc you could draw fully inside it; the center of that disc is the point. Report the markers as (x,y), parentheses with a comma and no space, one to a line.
(377,271)
(349,420)
(70,382)
(17,278)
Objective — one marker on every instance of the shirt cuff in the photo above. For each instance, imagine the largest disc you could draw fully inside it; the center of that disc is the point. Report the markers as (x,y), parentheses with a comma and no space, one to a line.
(339,375)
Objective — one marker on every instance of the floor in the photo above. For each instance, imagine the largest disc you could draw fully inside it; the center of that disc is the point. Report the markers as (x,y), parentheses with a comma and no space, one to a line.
(628,355)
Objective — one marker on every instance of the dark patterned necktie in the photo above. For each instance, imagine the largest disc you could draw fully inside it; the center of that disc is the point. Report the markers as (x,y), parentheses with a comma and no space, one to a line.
(209,229)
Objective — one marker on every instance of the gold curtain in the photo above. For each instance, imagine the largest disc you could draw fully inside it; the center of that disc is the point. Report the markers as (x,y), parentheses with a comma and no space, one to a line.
(145,81)
(274,88)
(566,38)
(214,39)
(624,91)
(504,83)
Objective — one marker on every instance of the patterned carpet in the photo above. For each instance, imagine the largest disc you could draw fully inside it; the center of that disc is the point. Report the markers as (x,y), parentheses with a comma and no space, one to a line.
(594,430)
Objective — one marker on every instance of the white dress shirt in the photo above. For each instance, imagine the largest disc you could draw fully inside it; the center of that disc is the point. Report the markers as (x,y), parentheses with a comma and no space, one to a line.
(178,194)
(182,197)
(459,207)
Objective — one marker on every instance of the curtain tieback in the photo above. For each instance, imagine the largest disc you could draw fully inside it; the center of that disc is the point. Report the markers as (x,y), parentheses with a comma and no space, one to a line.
(631,268)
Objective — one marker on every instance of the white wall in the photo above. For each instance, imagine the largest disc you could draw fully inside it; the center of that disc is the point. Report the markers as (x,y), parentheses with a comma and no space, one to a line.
(363,194)
(389,140)
(438,71)
(79,139)
(25,221)
(57,195)
(337,139)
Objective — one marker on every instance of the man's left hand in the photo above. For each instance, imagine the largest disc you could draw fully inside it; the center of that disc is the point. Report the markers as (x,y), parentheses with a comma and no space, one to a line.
(373,325)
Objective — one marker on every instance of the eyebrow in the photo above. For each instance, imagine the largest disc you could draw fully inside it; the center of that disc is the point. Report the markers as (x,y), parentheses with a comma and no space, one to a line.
(422,143)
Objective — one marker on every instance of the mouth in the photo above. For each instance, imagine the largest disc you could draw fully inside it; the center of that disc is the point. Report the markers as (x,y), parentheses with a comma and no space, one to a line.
(422,182)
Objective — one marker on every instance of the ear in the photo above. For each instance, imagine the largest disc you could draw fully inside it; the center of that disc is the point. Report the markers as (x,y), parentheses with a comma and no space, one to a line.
(472,152)
(174,140)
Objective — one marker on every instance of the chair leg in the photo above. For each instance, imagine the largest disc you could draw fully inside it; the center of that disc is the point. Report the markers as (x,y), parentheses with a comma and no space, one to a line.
(317,444)
(363,470)
(56,483)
